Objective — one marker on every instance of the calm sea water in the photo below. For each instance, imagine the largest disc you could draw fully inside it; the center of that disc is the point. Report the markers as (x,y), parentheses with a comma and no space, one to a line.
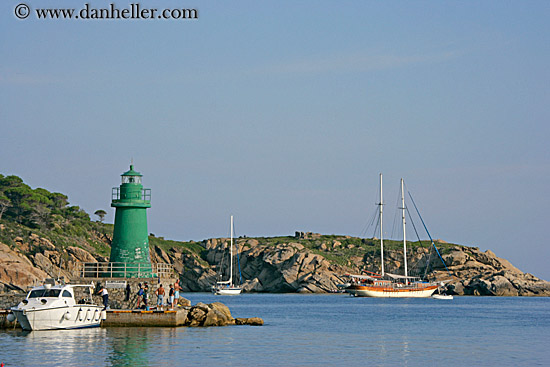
(305,330)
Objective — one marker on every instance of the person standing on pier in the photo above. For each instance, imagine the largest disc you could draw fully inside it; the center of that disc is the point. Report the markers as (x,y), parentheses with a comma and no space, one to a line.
(171,296)
(104,295)
(177,290)
(146,296)
(128,290)
(139,295)
(160,297)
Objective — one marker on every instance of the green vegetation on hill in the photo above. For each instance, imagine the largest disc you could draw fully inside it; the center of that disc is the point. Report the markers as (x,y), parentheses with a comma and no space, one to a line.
(36,208)
(25,211)
(340,249)
(189,247)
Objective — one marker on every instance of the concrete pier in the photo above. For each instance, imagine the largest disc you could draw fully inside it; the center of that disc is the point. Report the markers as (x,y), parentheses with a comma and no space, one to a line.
(124,318)
(145,318)
(200,315)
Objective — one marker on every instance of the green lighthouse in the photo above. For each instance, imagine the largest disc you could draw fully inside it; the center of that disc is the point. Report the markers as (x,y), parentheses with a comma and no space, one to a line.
(130,245)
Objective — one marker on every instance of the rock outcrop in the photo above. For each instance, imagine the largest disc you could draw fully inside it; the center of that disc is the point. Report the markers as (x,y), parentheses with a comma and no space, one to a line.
(306,263)
(285,267)
(484,274)
(17,270)
(290,267)
(216,314)
(43,260)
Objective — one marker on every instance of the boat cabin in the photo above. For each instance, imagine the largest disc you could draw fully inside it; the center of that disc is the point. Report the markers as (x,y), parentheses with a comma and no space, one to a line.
(382,283)
(45,293)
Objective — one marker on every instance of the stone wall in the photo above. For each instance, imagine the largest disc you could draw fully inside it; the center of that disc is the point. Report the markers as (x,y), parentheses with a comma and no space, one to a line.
(8,300)
(118,299)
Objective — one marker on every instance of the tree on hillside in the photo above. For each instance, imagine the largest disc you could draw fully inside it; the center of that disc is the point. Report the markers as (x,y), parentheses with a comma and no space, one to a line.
(59,201)
(10,181)
(41,216)
(19,197)
(21,203)
(75,212)
(36,208)
(5,203)
(101,214)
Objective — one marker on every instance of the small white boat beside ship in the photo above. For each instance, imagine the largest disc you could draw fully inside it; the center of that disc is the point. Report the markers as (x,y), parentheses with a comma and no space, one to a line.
(51,307)
(228,287)
(441,294)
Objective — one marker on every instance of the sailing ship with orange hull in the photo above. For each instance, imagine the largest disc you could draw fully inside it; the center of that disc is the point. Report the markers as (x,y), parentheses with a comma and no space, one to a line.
(386,284)
(388,288)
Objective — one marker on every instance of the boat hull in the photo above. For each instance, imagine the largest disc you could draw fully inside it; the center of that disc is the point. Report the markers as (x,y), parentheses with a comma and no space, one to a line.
(442,296)
(391,292)
(70,317)
(233,291)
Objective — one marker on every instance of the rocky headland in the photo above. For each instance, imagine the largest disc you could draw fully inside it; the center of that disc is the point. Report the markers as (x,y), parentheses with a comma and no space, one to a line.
(43,236)
(301,263)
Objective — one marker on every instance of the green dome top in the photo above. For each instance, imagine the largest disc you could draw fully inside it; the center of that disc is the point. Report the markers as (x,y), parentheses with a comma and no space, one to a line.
(131,172)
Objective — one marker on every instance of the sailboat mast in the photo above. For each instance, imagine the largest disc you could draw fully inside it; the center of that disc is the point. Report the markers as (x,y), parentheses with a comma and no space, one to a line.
(381,232)
(231,256)
(404,232)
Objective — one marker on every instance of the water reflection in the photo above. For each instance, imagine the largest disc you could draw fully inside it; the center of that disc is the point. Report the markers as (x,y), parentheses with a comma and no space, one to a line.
(127,347)
(310,330)
(90,347)
(49,347)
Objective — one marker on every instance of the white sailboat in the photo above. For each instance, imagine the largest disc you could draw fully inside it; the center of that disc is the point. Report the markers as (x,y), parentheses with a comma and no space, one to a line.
(228,287)
(386,284)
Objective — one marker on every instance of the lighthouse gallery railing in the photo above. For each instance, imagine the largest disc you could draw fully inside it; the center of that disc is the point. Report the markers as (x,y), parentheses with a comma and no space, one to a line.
(145,194)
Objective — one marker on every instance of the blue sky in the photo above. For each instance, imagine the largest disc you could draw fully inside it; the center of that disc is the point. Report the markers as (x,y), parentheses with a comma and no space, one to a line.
(284,113)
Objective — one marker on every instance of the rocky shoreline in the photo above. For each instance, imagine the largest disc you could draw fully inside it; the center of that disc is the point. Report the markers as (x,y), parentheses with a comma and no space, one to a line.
(305,263)
(290,267)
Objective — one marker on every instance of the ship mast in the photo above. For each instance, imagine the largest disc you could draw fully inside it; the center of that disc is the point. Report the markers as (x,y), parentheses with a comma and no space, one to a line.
(404,232)
(231,256)
(381,232)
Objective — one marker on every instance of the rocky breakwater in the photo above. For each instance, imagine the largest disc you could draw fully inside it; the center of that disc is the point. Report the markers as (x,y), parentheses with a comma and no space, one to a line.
(200,315)
(216,314)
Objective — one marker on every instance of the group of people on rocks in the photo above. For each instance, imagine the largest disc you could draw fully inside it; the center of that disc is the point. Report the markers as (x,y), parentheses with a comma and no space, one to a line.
(173,295)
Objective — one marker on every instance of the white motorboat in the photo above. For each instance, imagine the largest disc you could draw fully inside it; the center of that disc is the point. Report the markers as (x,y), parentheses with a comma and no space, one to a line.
(51,306)
(228,287)
(442,296)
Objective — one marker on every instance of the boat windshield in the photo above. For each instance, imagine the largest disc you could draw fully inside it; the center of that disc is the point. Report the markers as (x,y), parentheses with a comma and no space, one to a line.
(35,293)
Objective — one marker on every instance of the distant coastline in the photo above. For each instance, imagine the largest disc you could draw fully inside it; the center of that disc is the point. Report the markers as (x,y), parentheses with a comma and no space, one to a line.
(42,236)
